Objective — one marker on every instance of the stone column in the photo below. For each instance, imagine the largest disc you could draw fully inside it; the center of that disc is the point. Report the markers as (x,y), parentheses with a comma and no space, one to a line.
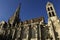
(38,32)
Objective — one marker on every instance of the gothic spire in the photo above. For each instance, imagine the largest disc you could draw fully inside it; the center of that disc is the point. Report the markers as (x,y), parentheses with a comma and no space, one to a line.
(16,14)
(15,18)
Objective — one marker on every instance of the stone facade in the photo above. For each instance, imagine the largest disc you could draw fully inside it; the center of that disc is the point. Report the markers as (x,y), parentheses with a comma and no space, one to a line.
(34,29)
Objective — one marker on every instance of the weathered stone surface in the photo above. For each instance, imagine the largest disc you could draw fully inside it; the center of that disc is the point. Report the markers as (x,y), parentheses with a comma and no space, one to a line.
(34,29)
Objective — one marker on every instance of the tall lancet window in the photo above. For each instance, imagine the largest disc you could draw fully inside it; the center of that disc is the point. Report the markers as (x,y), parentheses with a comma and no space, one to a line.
(53,13)
(48,9)
(34,31)
(50,14)
(51,8)
(25,32)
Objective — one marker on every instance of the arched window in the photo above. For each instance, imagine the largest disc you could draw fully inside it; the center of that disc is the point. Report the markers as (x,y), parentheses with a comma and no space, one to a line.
(48,9)
(50,14)
(53,13)
(51,8)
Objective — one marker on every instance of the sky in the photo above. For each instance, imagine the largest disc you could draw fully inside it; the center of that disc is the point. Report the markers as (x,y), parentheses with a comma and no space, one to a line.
(29,9)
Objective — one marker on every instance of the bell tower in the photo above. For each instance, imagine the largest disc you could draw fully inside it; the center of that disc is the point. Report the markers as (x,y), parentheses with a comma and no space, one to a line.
(51,12)
(53,22)
(52,17)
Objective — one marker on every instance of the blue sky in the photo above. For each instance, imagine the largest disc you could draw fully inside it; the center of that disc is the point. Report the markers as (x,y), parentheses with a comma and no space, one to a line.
(29,8)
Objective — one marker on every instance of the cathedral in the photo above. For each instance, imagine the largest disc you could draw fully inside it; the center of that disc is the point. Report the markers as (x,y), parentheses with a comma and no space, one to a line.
(33,29)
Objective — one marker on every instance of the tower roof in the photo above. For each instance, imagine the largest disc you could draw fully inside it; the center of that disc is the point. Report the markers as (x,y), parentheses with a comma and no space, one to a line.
(49,3)
(17,10)
(15,17)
